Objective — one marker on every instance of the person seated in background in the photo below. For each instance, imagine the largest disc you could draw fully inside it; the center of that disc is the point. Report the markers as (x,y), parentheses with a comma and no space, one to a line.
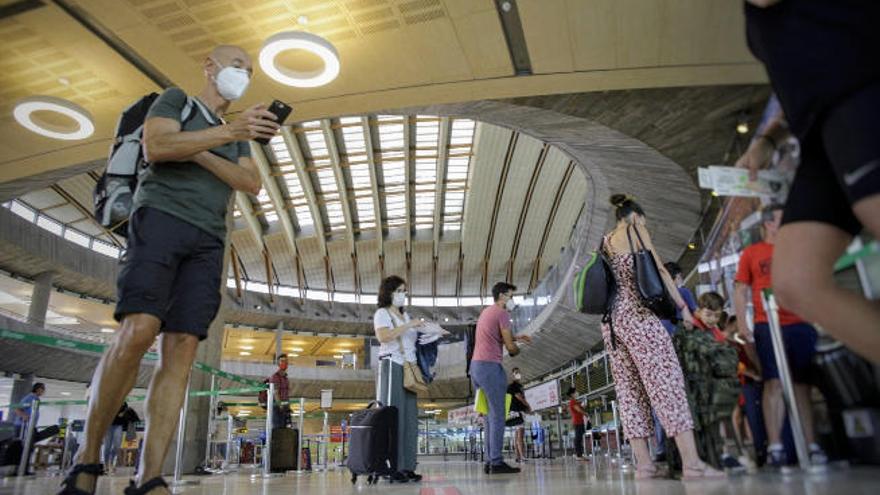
(749,374)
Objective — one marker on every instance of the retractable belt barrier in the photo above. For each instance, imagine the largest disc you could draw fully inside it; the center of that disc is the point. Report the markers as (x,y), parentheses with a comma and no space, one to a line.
(141,398)
(62,343)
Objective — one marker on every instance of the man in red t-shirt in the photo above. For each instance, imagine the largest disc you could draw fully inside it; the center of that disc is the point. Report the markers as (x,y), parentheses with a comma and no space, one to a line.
(281,406)
(577,421)
(799,337)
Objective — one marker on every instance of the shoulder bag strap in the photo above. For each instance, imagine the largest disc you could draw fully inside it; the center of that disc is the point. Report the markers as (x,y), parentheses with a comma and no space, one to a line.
(632,248)
(639,237)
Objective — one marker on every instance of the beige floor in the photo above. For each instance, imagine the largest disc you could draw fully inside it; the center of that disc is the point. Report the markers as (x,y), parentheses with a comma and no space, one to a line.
(540,478)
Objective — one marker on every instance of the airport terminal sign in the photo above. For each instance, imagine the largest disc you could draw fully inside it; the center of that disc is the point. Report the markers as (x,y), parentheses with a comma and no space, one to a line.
(543,396)
(463,416)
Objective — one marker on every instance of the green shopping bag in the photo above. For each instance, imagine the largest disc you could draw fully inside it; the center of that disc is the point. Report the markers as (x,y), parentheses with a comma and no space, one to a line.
(481,404)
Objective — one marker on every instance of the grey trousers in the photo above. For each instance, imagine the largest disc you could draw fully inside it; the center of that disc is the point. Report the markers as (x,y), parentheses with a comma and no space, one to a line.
(391,393)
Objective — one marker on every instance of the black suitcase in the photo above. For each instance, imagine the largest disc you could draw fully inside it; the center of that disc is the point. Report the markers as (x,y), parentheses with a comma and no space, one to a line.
(10,452)
(284,446)
(373,447)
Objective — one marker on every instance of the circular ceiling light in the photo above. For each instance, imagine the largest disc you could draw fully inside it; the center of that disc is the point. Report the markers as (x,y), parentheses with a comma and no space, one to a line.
(298,40)
(25,109)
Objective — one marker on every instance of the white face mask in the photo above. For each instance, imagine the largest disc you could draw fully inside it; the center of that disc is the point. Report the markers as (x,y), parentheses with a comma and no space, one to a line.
(399,299)
(517,377)
(510,305)
(232,82)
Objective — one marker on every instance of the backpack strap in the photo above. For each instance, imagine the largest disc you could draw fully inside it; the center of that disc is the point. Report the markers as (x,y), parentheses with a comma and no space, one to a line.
(205,112)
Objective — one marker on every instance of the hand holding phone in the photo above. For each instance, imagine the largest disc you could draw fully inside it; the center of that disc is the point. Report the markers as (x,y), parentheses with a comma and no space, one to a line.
(281,111)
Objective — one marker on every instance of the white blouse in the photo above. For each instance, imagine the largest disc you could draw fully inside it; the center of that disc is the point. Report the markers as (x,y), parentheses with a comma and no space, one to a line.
(384,319)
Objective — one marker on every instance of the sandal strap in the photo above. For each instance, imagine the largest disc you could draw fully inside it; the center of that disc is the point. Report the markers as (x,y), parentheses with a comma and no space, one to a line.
(147,487)
(69,482)
(93,469)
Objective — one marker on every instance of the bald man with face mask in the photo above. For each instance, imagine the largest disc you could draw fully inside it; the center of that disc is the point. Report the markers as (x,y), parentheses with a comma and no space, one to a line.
(171,274)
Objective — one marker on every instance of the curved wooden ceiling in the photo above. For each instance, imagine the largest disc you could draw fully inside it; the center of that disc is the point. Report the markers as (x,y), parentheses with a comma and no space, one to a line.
(394,53)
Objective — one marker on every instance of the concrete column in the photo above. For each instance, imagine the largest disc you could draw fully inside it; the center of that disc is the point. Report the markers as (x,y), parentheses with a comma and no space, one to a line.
(40,298)
(368,351)
(278,332)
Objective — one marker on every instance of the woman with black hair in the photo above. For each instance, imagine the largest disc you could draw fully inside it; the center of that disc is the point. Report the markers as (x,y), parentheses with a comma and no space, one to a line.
(397,336)
(643,361)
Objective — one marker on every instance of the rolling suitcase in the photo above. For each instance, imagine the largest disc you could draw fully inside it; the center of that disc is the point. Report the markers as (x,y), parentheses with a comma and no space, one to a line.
(373,448)
(284,446)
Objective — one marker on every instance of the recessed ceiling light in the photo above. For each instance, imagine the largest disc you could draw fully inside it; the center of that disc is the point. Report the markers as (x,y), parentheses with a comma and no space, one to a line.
(294,355)
(296,349)
(23,111)
(298,40)
(66,394)
(64,81)
(338,356)
(304,20)
(244,353)
(742,128)
(246,347)
(107,330)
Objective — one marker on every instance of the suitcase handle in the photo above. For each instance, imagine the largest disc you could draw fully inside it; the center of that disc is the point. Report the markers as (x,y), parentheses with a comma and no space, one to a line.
(375,403)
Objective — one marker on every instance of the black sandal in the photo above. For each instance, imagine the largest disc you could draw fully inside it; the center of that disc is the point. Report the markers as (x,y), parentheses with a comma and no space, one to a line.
(69,482)
(147,487)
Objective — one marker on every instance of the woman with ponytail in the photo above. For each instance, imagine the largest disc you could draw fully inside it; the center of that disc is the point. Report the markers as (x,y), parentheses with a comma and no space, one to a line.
(643,361)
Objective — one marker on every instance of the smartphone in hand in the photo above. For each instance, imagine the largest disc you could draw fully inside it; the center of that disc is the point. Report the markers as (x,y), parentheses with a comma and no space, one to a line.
(281,111)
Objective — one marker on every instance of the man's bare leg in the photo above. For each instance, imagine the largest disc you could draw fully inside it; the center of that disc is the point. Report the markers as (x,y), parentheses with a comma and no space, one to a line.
(177,351)
(113,380)
(802,394)
(774,410)
(803,281)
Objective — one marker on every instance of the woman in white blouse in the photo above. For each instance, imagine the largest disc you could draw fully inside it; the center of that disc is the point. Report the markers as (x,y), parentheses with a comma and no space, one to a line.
(397,335)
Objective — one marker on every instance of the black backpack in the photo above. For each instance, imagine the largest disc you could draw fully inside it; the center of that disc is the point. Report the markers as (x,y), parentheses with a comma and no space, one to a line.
(115,189)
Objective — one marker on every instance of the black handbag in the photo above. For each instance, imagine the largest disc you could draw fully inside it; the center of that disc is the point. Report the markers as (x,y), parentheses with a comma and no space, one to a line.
(649,281)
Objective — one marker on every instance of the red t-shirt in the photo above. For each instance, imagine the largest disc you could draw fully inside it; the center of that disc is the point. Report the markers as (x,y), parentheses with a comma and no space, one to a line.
(754,271)
(576,417)
(281,384)
(716,332)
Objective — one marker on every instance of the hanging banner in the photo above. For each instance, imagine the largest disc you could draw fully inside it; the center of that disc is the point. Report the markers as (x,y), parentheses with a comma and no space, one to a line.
(543,396)
(462,416)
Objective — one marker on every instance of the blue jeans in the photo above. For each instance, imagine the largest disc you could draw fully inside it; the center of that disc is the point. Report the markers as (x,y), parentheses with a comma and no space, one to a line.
(752,392)
(112,442)
(492,379)
(659,435)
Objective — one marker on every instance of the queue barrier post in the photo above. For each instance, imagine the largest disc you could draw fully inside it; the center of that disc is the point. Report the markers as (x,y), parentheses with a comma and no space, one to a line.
(28,438)
(794,414)
(300,421)
(230,423)
(181,437)
(211,406)
(267,449)
(618,455)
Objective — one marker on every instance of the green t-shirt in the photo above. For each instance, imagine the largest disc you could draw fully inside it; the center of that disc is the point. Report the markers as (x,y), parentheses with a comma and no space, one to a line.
(185,189)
